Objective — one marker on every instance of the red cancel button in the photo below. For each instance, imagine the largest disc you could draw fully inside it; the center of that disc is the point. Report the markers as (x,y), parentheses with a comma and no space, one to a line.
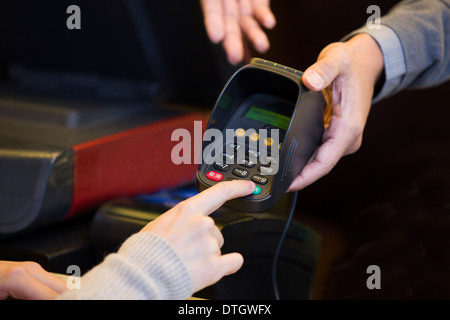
(214,176)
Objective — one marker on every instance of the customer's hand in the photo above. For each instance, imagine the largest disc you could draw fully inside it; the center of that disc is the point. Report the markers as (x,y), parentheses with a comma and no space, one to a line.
(227,21)
(347,73)
(194,236)
(28,281)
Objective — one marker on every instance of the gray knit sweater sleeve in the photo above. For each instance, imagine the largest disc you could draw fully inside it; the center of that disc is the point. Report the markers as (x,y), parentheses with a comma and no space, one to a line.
(145,267)
(415,41)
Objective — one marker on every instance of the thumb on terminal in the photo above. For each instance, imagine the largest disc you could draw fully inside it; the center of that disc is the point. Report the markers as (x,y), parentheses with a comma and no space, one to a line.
(322,73)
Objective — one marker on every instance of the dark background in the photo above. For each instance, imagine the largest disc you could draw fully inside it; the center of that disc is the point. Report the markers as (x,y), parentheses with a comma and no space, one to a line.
(387,205)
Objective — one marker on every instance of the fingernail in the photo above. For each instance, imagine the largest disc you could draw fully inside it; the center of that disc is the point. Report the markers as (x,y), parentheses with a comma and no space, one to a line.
(269,22)
(314,78)
(251,186)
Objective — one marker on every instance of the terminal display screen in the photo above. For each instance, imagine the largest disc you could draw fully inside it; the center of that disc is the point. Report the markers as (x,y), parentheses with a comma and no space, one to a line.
(268,117)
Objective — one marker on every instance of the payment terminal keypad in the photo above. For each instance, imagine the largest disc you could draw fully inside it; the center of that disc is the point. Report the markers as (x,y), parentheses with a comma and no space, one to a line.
(240,161)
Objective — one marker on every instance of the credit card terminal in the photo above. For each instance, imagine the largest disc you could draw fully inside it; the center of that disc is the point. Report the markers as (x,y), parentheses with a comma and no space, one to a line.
(264,127)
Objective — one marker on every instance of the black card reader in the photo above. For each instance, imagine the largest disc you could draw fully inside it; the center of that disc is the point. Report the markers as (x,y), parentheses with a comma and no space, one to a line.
(264,127)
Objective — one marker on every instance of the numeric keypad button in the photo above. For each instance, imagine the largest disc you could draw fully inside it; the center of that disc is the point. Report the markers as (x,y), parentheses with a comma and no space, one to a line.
(259,179)
(242,173)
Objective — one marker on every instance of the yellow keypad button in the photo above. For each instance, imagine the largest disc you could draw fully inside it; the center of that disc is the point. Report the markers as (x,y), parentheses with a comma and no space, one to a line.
(254,136)
(240,132)
(268,141)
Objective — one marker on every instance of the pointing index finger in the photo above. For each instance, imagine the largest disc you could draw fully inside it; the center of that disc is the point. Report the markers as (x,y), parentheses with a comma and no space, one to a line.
(213,198)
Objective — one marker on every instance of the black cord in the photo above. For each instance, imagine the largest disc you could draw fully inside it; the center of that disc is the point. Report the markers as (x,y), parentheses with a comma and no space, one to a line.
(280,243)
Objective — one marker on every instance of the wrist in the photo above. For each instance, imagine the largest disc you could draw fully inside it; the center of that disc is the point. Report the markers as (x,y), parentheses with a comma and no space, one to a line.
(366,52)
